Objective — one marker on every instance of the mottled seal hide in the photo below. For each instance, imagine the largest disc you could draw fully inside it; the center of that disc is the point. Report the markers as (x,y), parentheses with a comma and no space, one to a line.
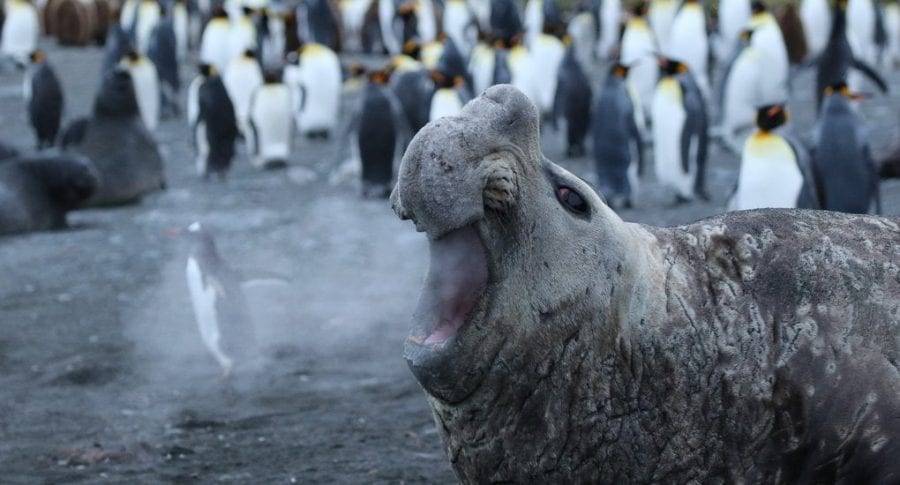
(115,139)
(559,344)
(36,193)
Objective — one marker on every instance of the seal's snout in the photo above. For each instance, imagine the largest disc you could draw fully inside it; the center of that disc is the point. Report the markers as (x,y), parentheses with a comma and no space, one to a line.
(458,167)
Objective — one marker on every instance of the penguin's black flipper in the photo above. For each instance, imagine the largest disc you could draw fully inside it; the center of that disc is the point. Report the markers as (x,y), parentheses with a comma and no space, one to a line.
(74,133)
(870,72)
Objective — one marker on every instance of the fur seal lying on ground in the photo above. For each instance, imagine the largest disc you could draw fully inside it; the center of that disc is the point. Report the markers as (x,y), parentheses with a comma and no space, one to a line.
(559,344)
(36,194)
(115,139)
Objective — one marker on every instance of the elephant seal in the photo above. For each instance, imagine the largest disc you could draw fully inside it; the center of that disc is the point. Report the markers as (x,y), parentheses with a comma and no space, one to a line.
(117,142)
(36,193)
(558,344)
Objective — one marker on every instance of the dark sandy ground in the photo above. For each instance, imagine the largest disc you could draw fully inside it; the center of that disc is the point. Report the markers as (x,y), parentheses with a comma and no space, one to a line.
(103,378)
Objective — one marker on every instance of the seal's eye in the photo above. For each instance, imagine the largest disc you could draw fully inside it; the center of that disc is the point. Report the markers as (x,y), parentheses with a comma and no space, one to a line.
(571,200)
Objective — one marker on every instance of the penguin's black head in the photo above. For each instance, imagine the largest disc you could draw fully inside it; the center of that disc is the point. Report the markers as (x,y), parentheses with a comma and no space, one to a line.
(671,67)
(247,11)
(116,96)
(132,55)
(272,76)
(840,5)
(36,57)
(250,54)
(406,10)
(218,11)
(640,9)
(839,88)
(619,70)
(440,79)
(771,117)
(206,70)
(380,76)
(412,48)
(757,7)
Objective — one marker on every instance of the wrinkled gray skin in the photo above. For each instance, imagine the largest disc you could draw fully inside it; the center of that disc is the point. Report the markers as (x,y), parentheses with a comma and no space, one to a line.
(761,346)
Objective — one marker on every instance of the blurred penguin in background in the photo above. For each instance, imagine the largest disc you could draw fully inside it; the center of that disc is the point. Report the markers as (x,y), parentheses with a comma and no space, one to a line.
(891,55)
(733,16)
(639,53)
(847,175)
(450,95)
(816,18)
(146,86)
(680,135)
(459,25)
(413,88)
(148,15)
(181,23)
(44,97)
(769,45)
(582,30)
(241,78)
(216,128)
(271,123)
(319,24)
(776,170)
(117,45)
(610,16)
(661,15)
(838,57)
(21,29)
(865,32)
(688,42)
(739,92)
(505,22)
(618,148)
(314,77)
(242,34)
(215,44)
(219,304)
(791,26)
(573,103)
(163,51)
(381,130)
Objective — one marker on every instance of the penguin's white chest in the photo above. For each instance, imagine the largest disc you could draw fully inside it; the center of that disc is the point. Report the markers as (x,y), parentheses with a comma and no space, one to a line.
(445,102)
(769,174)
(669,116)
(816,18)
(457,18)
(148,17)
(215,48)
(688,42)
(481,66)
(661,15)
(20,30)
(638,48)
(546,57)
(318,83)
(270,115)
(146,87)
(203,300)
(241,78)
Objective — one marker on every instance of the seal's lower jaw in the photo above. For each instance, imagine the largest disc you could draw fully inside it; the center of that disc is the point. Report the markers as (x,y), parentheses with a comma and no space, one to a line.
(453,297)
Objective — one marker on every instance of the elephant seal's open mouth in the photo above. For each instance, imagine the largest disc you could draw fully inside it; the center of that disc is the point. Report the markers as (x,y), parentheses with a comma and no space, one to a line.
(457,279)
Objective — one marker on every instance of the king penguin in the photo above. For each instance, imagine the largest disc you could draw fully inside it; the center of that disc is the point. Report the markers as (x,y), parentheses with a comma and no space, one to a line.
(242,34)
(314,77)
(215,47)
(44,96)
(738,92)
(689,43)
(733,16)
(661,15)
(610,18)
(769,45)
(148,15)
(838,57)
(458,22)
(163,51)
(241,78)
(146,86)
(219,304)
(816,18)
(21,29)
(776,171)
(319,23)
(638,49)
(271,123)
(842,158)
(573,102)
(449,97)
(618,148)
(679,131)
(380,127)
(216,127)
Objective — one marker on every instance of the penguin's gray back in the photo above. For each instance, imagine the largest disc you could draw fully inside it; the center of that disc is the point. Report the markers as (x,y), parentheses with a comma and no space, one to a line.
(163,51)
(847,173)
(46,105)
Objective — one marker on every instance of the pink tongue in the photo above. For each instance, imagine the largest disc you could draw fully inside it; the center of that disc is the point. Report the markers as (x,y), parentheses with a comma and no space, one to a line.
(456,280)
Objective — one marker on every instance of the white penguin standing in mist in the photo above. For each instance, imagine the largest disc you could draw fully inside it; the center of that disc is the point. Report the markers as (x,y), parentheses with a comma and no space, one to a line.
(219,304)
